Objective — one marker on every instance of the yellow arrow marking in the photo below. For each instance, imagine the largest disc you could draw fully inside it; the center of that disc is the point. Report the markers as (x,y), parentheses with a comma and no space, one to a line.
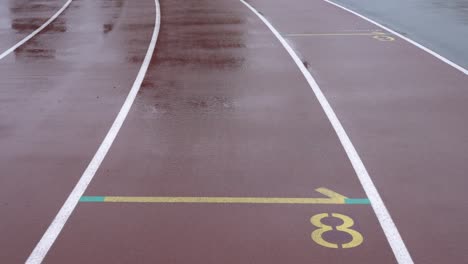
(333,198)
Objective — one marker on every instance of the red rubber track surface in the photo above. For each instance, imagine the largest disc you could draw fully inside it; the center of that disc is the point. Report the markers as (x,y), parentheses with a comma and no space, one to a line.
(224,111)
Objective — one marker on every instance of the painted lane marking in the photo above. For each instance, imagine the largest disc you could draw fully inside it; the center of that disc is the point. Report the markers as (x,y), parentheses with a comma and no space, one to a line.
(433,53)
(361,30)
(332,34)
(333,198)
(357,201)
(223,200)
(44,245)
(381,36)
(345,227)
(390,230)
(35,32)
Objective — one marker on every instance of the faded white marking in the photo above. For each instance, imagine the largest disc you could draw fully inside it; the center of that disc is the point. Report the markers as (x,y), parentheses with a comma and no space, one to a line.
(391,232)
(44,245)
(35,32)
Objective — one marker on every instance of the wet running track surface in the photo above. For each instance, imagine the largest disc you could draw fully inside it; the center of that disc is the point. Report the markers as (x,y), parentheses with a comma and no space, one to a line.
(226,154)
(446,34)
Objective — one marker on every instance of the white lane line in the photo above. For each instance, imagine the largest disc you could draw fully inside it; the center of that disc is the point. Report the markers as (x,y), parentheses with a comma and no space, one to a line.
(52,232)
(391,232)
(35,32)
(433,53)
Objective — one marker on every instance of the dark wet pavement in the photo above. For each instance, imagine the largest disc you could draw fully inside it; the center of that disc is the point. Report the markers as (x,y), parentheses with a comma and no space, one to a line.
(441,25)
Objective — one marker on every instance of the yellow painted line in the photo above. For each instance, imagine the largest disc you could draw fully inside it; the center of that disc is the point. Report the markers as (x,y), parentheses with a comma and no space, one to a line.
(332,198)
(221,200)
(333,34)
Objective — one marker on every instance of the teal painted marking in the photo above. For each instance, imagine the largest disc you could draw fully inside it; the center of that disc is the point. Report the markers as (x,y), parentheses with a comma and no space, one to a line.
(92,199)
(357,201)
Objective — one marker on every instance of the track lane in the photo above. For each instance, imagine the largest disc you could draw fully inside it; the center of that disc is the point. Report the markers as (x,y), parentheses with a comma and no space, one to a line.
(61,218)
(404,110)
(213,119)
(218,116)
(391,232)
(28,21)
(59,94)
(427,14)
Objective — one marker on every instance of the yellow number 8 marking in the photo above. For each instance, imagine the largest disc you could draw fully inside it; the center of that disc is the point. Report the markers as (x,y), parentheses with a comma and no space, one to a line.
(383,37)
(316,220)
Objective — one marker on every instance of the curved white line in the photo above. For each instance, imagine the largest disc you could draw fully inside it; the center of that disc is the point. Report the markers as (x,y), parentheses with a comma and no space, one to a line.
(52,232)
(391,232)
(35,32)
(433,53)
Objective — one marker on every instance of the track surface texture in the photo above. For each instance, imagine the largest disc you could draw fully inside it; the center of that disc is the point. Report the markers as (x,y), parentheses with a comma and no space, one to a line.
(196,131)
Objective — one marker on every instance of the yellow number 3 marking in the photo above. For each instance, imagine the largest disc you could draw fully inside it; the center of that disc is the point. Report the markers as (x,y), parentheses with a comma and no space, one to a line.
(316,220)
